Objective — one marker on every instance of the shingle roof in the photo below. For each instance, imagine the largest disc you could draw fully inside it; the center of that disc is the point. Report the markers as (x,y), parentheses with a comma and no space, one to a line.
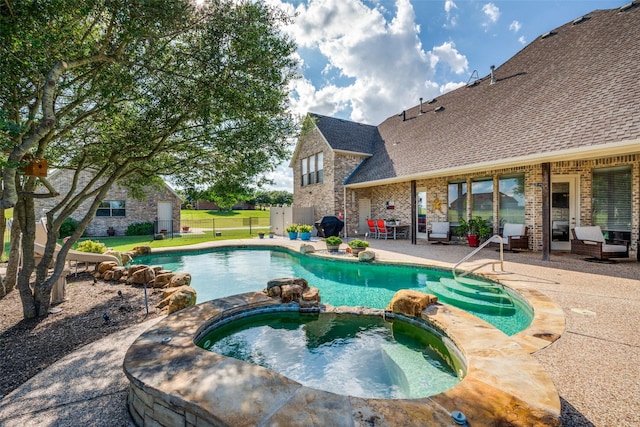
(577,88)
(346,135)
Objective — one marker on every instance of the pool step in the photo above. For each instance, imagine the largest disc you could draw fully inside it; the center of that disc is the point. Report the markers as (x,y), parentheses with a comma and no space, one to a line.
(464,302)
(411,372)
(492,294)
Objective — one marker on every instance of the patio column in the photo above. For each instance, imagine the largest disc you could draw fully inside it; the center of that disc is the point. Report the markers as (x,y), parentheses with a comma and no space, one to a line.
(546,210)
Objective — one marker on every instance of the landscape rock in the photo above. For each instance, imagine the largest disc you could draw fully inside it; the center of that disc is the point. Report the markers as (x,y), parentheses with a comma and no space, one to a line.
(142,276)
(288,281)
(176,299)
(366,256)
(106,265)
(180,279)
(307,249)
(410,302)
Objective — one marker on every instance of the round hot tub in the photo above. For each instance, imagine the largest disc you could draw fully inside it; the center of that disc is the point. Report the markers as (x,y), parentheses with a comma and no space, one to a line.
(365,356)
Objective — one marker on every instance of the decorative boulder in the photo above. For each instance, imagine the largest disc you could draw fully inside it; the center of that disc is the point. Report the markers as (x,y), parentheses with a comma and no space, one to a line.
(288,281)
(291,293)
(180,279)
(366,256)
(176,299)
(410,303)
(142,276)
(118,272)
(142,250)
(307,249)
(106,266)
(162,280)
(126,258)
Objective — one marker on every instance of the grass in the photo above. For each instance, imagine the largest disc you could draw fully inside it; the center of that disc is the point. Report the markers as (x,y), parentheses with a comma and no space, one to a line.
(224,223)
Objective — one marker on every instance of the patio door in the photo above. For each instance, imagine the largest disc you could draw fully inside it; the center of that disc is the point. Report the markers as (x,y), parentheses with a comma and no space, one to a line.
(165,216)
(421,212)
(364,213)
(564,210)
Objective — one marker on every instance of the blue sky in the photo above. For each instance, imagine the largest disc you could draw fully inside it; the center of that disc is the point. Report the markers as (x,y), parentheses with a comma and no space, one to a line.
(366,60)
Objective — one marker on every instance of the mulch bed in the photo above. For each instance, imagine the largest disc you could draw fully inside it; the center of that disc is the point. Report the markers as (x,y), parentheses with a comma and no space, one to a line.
(92,310)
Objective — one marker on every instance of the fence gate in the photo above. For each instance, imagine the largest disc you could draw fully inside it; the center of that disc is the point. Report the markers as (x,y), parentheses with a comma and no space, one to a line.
(281,217)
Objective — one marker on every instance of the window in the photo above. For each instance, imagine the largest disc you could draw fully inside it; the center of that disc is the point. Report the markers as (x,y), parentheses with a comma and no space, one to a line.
(482,199)
(457,201)
(612,198)
(511,199)
(111,208)
(312,169)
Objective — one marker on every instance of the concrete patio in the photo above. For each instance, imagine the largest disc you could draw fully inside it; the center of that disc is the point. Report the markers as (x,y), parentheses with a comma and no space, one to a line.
(595,365)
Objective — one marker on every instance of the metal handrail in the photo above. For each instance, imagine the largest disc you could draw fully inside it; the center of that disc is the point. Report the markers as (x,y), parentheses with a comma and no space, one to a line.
(493,263)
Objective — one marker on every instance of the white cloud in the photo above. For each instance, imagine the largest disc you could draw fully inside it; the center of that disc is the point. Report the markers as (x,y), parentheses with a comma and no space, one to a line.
(492,12)
(522,40)
(449,5)
(452,18)
(382,63)
(515,26)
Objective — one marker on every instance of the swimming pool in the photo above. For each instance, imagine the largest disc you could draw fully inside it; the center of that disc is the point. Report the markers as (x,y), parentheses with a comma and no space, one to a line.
(223,272)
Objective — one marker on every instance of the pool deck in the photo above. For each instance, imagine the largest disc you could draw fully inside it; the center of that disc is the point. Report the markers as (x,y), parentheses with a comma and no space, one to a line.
(595,365)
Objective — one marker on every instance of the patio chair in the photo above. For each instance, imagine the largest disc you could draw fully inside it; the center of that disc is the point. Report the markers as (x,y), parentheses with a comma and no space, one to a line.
(373,231)
(382,229)
(514,236)
(440,232)
(591,242)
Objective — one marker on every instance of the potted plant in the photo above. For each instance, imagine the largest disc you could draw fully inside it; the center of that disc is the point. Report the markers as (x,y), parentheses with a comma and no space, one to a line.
(475,229)
(111,231)
(358,246)
(261,234)
(333,243)
(271,234)
(292,229)
(305,231)
(185,228)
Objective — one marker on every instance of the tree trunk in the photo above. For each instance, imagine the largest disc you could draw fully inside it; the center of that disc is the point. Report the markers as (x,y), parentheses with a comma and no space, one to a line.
(25,217)
(11,278)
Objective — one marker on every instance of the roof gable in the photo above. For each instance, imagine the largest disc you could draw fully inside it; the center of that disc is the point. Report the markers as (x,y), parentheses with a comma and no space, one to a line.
(346,135)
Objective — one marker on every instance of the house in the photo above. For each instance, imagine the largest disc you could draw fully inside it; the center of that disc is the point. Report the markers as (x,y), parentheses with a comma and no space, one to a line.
(118,209)
(553,134)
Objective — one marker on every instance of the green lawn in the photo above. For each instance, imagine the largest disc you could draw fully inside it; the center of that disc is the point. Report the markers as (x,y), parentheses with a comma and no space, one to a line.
(222,222)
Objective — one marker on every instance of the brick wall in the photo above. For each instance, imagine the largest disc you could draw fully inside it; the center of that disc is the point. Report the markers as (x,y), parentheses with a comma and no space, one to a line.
(436,189)
(136,210)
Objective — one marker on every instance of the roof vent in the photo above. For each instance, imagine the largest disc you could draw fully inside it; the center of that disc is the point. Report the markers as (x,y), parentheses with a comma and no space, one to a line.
(493,76)
(404,115)
(628,6)
(432,101)
(580,20)
(421,112)
(476,81)
(548,34)
(439,109)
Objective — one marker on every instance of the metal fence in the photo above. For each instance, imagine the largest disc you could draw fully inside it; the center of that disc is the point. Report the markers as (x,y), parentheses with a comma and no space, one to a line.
(215,225)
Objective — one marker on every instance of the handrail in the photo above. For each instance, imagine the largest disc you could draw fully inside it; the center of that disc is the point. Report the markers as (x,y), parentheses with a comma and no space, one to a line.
(493,263)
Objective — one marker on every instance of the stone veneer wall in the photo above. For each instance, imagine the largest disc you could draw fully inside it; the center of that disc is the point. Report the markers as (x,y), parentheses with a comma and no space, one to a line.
(136,210)
(400,193)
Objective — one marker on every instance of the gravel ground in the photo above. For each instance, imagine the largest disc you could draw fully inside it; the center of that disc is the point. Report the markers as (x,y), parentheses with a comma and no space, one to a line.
(29,346)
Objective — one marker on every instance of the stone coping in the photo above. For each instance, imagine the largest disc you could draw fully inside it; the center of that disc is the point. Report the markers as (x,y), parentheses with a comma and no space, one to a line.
(174,382)
(548,322)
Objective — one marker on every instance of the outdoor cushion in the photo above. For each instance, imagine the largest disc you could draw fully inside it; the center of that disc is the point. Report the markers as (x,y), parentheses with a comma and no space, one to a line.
(510,230)
(590,234)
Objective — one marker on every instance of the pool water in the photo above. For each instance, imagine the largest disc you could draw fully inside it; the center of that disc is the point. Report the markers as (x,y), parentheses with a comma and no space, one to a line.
(362,356)
(224,272)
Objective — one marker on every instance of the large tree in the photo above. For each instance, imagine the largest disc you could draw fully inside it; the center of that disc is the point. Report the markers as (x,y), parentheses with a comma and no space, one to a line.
(133,90)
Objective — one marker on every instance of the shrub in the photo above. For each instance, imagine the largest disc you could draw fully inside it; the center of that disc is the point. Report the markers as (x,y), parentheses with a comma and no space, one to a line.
(68,227)
(91,246)
(139,229)
(333,241)
(292,228)
(304,228)
(358,244)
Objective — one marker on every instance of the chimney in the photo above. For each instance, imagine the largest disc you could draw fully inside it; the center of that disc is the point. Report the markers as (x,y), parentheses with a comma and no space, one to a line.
(493,77)
(421,112)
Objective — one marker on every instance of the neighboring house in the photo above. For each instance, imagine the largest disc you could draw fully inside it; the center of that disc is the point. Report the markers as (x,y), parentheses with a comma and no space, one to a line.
(552,135)
(118,210)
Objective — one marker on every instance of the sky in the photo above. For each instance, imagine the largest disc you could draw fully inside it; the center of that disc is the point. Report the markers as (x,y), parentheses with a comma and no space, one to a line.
(366,60)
